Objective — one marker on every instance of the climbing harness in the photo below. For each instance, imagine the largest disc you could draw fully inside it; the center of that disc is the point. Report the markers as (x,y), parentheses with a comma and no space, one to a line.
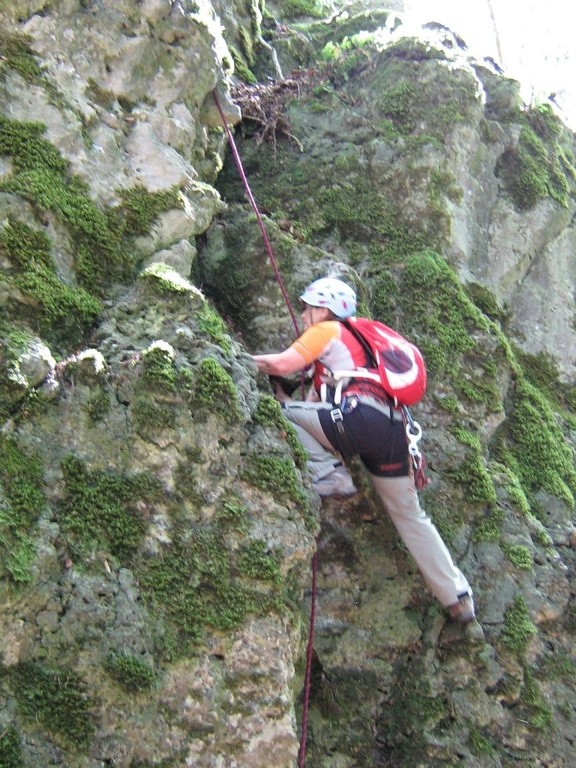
(270,252)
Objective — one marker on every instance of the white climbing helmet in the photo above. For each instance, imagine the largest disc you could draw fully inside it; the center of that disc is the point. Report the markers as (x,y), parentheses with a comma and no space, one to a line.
(333,294)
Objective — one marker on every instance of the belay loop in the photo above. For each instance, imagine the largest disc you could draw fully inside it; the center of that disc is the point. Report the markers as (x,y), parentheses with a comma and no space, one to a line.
(414,434)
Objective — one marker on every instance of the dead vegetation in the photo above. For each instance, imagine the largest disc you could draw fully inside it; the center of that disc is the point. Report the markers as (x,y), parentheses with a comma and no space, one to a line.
(265,104)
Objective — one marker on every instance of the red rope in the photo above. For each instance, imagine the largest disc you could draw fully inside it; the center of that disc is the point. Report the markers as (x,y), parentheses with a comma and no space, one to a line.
(307,677)
(250,196)
(310,645)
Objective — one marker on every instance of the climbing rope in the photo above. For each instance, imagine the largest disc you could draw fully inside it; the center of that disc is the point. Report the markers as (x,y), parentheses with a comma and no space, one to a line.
(308,673)
(270,252)
(256,210)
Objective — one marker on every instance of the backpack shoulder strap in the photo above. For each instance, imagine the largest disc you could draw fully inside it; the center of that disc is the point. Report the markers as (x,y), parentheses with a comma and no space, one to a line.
(372,363)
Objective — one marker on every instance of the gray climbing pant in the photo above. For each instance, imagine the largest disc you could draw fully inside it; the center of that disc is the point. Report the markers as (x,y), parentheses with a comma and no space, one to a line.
(419,534)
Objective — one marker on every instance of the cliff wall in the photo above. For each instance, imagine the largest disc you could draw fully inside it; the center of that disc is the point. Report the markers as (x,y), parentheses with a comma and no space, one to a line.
(157,523)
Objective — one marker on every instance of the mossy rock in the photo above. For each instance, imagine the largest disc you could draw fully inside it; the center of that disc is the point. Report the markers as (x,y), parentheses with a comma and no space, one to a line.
(57,699)
(21,483)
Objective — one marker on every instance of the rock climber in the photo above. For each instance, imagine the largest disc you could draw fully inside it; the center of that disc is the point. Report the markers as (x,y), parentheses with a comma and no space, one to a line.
(373,430)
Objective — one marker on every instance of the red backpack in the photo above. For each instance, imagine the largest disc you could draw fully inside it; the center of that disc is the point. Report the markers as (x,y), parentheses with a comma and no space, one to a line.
(394,362)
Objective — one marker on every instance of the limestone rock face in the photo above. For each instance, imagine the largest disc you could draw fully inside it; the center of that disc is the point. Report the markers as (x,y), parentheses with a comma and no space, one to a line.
(157,520)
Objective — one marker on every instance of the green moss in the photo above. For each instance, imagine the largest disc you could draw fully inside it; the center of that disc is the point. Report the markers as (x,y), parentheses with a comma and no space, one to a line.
(430,307)
(359,211)
(57,699)
(269,413)
(141,208)
(347,57)
(443,184)
(412,49)
(241,67)
(11,749)
(210,323)
(21,480)
(101,254)
(480,744)
(24,143)
(102,238)
(417,111)
(536,167)
(193,583)
(412,709)
(16,54)
(185,482)
(448,403)
(518,628)
(519,555)
(472,473)
(475,479)
(98,405)
(215,391)
(102,509)
(167,282)
(277,475)
(259,562)
(480,390)
(150,415)
(508,478)
(247,44)
(100,95)
(316,9)
(397,104)
(232,514)
(535,432)
(62,309)
(445,320)
(542,537)
(158,369)
(334,51)
(447,516)
(542,371)
(133,674)
(561,666)
(540,712)
(486,302)
(489,527)
(21,477)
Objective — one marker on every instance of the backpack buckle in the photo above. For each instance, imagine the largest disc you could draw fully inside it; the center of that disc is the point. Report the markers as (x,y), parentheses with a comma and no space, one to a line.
(338,419)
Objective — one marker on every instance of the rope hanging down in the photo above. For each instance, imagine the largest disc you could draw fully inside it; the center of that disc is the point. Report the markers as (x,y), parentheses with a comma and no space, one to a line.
(308,672)
(256,210)
(270,252)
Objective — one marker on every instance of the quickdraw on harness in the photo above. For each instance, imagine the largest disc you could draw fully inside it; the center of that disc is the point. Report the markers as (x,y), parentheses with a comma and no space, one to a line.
(414,434)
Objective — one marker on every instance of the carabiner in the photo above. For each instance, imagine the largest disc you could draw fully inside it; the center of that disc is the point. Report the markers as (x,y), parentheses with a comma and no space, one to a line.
(413,433)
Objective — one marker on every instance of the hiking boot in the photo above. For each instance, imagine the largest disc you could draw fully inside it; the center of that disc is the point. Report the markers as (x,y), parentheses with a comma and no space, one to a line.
(336,483)
(462,612)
